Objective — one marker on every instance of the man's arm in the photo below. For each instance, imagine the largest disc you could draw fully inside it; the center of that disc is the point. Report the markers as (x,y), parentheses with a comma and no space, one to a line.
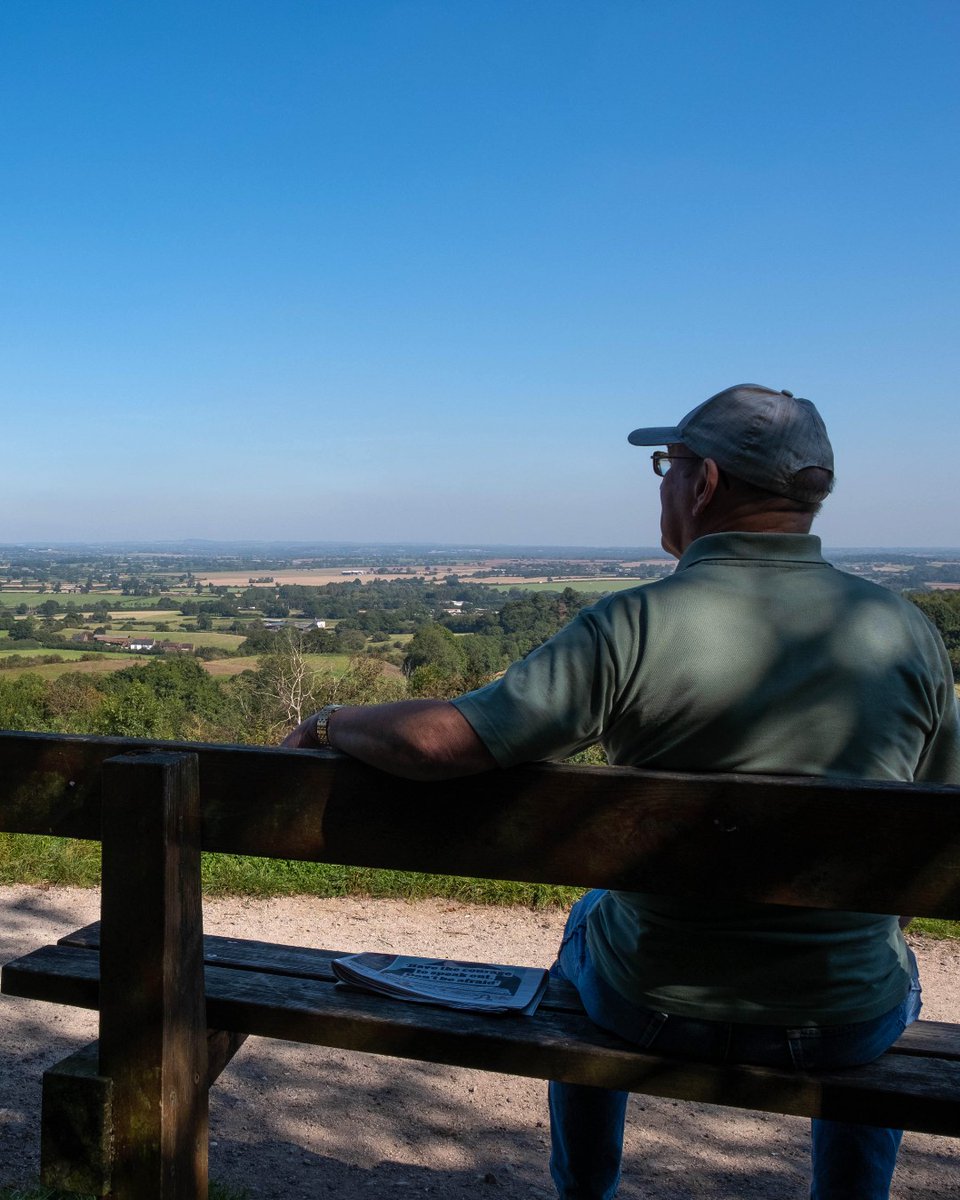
(417,739)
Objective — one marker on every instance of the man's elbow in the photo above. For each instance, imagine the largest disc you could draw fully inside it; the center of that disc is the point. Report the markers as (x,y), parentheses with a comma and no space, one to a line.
(432,758)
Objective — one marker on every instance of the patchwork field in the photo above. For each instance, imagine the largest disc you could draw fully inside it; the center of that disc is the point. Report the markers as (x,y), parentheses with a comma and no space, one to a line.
(318,576)
(83,603)
(617,584)
(10,651)
(101,665)
(225,667)
(196,637)
(331,664)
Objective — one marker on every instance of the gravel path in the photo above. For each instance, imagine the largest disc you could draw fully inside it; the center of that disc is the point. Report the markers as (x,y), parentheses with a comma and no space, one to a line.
(292,1122)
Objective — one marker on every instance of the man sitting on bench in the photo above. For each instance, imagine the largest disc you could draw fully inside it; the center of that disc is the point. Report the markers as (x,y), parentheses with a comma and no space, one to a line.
(755,656)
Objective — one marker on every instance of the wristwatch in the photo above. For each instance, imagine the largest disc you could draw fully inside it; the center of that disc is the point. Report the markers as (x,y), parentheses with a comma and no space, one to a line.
(320,726)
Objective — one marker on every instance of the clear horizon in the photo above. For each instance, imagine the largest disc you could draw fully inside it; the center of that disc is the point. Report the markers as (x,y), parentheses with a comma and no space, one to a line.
(163,545)
(411,271)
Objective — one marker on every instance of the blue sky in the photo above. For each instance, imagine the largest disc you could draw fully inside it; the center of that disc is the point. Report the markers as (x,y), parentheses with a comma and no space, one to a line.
(410,270)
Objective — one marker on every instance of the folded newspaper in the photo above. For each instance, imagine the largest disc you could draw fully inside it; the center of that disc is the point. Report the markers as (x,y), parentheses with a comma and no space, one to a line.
(476,987)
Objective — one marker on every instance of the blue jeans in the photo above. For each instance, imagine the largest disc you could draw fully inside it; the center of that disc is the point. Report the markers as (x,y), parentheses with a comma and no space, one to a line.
(850,1162)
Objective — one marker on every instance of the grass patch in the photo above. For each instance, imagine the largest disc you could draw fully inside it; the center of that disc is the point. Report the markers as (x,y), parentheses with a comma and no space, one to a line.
(329,663)
(66,862)
(228,666)
(10,651)
(934,927)
(103,663)
(230,874)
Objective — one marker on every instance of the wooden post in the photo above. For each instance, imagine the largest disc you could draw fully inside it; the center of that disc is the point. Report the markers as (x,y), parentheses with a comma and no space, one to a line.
(153,1042)
(76,1136)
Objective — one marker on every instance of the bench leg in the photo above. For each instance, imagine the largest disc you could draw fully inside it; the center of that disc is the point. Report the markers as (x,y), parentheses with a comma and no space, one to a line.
(76,1124)
(76,1133)
(153,1044)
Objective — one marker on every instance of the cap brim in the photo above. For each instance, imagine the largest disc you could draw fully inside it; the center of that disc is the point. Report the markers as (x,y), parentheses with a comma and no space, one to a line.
(660,435)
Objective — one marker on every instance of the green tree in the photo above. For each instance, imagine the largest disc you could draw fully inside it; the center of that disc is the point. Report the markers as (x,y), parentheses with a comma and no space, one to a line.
(21,631)
(484,658)
(943,609)
(23,704)
(72,703)
(136,711)
(434,646)
(349,641)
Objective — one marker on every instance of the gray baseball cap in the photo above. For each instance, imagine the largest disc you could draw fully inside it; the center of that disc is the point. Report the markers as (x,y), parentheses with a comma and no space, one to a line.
(757,434)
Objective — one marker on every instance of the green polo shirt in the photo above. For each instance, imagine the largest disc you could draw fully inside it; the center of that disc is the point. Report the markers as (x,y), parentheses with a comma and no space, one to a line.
(754,656)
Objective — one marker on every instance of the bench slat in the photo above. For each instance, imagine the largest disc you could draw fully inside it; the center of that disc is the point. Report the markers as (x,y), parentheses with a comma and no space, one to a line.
(859,846)
(912,1091)
(307,962)
(935,1038)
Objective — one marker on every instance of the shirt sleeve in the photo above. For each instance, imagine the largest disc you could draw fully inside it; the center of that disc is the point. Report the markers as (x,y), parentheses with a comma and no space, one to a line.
(550,704)
(940,762)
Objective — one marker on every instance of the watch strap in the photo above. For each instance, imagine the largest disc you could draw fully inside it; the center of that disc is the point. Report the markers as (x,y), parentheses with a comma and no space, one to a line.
(320,725)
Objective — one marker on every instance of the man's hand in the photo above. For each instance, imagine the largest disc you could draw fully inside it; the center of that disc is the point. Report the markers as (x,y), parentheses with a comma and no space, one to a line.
(304,737)
(417,739)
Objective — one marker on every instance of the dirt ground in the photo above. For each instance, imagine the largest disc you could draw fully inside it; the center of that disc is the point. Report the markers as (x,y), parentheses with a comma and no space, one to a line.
(292,1122)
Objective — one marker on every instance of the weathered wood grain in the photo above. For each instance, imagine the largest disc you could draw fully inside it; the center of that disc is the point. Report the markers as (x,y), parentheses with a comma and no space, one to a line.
(152,1016)
(135,1126)
(916,1085)
(859,846)
(76,1124)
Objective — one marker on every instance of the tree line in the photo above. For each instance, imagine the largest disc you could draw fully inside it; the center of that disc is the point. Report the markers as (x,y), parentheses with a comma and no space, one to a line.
(175,698)
(943,609)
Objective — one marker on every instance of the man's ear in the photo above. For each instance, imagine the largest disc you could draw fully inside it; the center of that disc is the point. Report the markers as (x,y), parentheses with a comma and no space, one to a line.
(705,485)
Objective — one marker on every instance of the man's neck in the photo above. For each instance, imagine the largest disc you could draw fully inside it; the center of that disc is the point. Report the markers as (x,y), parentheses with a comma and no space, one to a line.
(759,522)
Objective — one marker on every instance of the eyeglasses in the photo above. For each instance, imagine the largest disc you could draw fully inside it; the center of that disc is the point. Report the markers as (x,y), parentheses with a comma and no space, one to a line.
(662,460)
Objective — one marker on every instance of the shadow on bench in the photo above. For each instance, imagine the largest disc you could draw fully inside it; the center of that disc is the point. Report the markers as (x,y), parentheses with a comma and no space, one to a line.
(127,1116)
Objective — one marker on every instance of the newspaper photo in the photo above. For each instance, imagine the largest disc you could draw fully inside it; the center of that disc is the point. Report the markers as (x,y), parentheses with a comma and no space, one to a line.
(475,987)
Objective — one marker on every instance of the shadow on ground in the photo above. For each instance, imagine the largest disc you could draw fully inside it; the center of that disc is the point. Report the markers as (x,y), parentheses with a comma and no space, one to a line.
(291,1122)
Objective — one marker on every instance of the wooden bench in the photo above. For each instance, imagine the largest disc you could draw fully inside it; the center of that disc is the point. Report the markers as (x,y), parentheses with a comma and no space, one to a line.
(127,1116)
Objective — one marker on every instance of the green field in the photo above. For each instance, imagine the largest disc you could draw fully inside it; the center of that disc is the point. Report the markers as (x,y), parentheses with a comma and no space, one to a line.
(68,654)
(329,663)
(33,599)
(81,602)
(101,665)
(596,586)
(196,637)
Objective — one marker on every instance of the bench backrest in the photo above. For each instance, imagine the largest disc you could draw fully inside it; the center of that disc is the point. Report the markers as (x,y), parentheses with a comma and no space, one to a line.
(825,843)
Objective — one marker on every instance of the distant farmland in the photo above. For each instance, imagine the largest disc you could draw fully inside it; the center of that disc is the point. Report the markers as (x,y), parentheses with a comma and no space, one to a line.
(196,637)
(330,664)
(101,665)
(578,585)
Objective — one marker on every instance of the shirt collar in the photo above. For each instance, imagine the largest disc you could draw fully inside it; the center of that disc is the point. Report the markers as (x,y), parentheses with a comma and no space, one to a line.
(756,547)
